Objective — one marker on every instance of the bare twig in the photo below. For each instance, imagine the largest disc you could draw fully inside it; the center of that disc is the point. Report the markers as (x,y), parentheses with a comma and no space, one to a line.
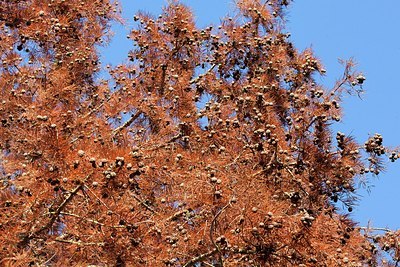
(48,260)
(99,106)
(235,160)
(273,158)
(212,228)
(176,215)
(202,75)
(375,229)
(294,178)
(91,221)
(164,144)
(64,203)
(4,187)
(55,214)
(80,243)
(88,188)
(143,203)
(200,258)
(126,124)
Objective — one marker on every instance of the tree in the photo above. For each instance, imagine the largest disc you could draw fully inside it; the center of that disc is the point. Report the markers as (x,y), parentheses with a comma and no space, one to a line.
(211,147)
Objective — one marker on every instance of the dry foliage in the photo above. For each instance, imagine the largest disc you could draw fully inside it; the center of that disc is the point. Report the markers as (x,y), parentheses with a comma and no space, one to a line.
(210,147)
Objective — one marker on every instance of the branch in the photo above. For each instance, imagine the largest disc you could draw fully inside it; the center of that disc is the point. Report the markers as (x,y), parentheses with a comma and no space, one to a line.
(212,228)
(65,202)
(200,258)
(101,201)
(375,229)
(80,243)
(273,158)
(235,160)
(173,139)
(47,261)
(143,203)
(4,187)
(55,214)
(176,215)
(126,124)
(294,179)
(90,220)
(202,75)
(98,107)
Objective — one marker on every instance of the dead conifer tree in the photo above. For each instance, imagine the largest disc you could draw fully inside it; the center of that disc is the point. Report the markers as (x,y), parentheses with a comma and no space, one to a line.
(211,147)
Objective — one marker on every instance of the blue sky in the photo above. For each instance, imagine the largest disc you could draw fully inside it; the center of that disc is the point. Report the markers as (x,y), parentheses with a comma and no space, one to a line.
(364,29)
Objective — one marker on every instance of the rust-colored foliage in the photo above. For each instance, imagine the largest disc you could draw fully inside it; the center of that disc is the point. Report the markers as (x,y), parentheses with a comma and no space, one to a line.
(211,147)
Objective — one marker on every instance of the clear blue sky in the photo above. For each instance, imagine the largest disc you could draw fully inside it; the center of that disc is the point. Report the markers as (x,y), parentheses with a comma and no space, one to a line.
(364,29)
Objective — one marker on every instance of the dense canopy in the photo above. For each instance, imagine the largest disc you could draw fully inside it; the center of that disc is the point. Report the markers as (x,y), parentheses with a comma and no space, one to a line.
(207,147)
